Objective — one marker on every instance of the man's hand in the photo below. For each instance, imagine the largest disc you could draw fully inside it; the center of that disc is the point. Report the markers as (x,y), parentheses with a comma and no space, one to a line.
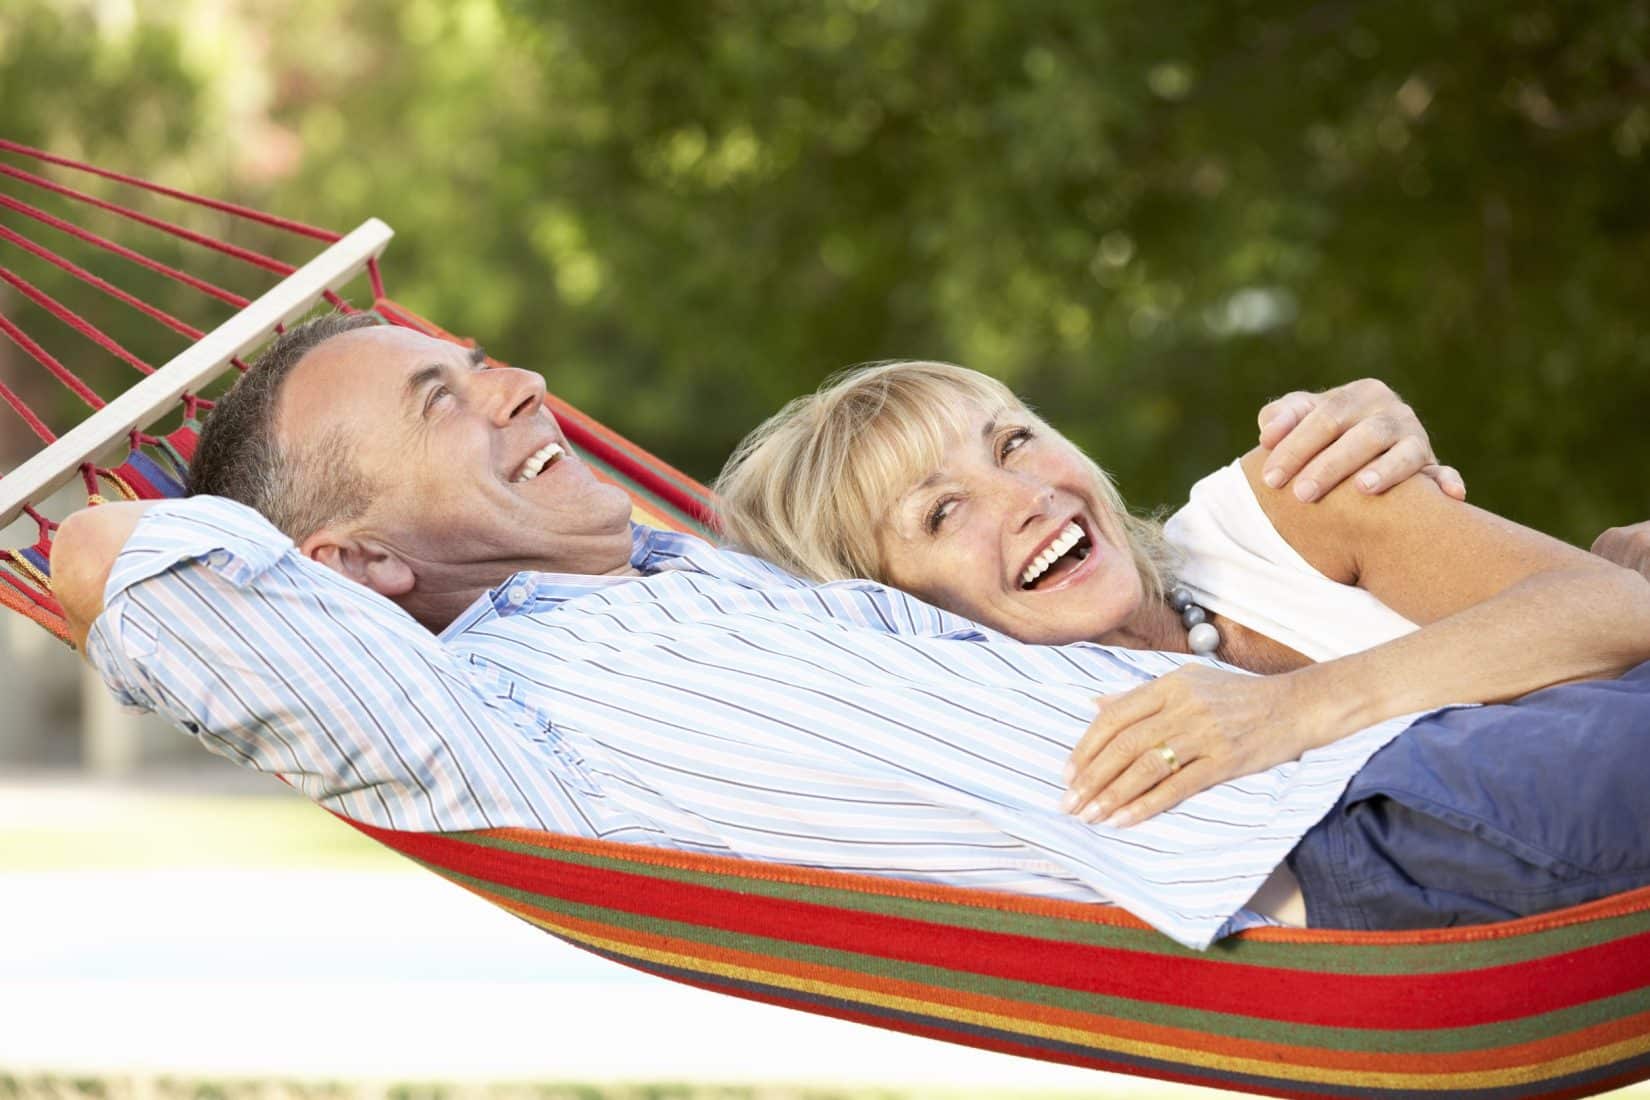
(1362,428)
(1628,546)
(83,553)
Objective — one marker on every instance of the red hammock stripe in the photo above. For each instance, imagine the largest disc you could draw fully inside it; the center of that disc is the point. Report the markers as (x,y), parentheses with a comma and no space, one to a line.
(47,360)
(145,489)
(73,320)
(1295,943)
(238,211)
(104,285)
(1379,1001)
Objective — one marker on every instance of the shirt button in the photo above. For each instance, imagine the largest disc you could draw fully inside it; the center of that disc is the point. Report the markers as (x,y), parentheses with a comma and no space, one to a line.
(517,595)
(218,559)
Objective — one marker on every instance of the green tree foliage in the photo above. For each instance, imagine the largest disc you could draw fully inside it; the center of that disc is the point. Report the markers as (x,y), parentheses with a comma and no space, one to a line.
(1147,218)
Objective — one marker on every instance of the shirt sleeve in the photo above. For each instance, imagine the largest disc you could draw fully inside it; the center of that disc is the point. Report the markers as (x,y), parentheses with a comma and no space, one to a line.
(213,620)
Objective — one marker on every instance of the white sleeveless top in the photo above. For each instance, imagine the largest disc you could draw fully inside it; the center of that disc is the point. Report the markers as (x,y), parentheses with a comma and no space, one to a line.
(1237,565)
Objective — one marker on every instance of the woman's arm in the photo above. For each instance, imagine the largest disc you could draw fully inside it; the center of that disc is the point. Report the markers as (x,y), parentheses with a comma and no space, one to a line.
(1504,610)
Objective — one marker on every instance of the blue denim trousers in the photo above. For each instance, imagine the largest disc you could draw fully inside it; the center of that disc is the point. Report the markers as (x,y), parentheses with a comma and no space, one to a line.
(1488,813)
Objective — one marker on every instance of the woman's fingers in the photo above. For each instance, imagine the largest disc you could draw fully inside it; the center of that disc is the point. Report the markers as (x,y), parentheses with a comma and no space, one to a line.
(1393,447)
(1449,479)
(1117,714)
(1279,417)
(1144,770)
(1628,547)
(1198,776)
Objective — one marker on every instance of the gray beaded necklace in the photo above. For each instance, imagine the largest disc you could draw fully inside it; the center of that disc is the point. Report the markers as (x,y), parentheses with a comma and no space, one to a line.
(1202,636)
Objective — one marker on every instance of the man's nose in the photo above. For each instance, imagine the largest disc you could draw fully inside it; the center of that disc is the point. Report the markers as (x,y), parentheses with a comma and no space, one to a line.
(517,392)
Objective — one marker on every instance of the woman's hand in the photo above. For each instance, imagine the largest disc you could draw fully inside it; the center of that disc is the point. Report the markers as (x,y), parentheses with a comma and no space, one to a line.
(1159,744)
(1362,428)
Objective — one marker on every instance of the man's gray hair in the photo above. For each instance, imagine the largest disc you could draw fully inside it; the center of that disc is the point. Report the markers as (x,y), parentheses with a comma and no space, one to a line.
(299,489)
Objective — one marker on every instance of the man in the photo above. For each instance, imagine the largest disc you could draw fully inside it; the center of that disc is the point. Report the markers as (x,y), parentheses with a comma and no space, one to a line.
(596,679)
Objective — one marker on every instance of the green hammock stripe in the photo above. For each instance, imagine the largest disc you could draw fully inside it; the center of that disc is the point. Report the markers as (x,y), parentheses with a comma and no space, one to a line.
(1331,959)
(1436,1041)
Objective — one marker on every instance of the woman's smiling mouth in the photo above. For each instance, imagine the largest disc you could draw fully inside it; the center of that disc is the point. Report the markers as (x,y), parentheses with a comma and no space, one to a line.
(1059,560)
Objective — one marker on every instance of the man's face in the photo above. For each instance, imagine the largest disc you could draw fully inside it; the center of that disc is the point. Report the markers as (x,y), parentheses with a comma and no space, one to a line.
(472,477)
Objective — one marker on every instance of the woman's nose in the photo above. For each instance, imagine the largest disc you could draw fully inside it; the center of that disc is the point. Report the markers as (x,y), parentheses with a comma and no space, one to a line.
(1035,500)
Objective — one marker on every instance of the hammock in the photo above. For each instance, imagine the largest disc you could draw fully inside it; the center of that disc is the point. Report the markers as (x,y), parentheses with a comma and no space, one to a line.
(1553,1006)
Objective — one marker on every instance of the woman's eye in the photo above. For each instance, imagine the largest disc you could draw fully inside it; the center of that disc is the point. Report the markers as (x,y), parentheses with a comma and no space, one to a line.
(938,514)
(1013,441)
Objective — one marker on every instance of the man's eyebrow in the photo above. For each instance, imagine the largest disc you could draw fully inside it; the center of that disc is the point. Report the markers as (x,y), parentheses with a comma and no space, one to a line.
(418,379)
(478,356)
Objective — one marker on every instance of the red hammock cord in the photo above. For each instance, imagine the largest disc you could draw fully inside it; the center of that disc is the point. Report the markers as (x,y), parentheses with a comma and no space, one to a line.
(245,212)
(104,285)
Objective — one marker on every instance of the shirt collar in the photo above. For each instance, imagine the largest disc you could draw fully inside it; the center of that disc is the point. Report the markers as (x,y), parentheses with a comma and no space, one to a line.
(652,551)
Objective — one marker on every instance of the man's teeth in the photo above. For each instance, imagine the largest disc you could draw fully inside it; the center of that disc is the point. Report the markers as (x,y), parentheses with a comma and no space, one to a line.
(537,461)
(1056,550)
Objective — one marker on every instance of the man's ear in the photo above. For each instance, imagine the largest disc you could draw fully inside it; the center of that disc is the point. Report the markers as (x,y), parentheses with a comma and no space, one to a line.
(363,561)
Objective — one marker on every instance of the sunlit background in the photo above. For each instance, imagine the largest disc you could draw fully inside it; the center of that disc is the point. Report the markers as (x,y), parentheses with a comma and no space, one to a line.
(1149,218)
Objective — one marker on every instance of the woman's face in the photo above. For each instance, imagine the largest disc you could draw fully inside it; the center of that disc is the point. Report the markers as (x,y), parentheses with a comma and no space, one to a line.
(1012,531)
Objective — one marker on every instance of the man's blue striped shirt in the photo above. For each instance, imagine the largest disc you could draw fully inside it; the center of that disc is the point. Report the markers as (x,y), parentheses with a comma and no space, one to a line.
(713,704)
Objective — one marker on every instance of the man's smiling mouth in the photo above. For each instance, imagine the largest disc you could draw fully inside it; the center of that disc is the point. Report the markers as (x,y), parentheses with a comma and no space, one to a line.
(537,461)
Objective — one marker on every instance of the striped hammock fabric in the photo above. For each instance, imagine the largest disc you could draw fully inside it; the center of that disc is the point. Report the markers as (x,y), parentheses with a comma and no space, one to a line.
(1556,1005)
(1550,1006)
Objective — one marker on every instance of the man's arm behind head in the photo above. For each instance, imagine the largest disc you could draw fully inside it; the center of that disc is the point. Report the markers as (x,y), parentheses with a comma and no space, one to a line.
(83,553)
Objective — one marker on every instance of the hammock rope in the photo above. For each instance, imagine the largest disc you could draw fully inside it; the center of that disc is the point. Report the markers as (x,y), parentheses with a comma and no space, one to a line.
(1550,1006)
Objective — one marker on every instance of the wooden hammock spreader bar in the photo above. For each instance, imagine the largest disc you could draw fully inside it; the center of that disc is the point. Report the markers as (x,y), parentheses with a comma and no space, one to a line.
(158,394)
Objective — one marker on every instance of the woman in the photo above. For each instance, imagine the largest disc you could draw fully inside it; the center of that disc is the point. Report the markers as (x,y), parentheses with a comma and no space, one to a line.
(936,479)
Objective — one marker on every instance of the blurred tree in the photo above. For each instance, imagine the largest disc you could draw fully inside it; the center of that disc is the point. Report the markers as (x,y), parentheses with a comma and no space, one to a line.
(90,84)
(1147,219)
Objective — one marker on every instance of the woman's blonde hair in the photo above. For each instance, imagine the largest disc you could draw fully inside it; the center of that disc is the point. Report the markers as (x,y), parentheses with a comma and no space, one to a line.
(810,488)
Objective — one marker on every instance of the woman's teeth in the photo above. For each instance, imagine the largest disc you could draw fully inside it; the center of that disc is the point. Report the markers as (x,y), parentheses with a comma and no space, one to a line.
(1070,537)
(537,461)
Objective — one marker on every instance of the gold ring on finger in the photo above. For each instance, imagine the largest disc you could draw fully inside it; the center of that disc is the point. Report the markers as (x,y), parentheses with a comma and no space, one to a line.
(1169,758)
